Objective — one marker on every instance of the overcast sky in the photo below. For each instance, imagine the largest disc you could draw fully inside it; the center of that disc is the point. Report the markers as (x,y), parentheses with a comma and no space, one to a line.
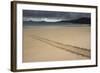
(34,13)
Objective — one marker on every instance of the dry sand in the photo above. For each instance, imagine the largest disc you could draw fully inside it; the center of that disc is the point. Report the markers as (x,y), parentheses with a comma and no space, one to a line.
(35,50)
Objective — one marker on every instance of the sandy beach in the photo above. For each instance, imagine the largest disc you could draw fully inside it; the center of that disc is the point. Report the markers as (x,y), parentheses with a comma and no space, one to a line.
(56,43)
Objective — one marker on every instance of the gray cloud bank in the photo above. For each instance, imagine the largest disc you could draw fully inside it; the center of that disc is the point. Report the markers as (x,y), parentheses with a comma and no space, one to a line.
(52,16)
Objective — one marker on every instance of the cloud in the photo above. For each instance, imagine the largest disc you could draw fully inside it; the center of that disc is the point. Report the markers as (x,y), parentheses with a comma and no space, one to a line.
(42,19)
(35,15)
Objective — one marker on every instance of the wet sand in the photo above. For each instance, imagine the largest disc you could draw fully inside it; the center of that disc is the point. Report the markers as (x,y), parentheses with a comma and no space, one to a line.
(39,43)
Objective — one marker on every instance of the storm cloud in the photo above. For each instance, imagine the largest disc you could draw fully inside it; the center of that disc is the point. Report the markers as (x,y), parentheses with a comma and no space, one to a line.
(52,16)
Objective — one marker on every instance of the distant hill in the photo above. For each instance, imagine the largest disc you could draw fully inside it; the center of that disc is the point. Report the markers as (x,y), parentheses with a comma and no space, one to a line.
(81,21)
(65,22)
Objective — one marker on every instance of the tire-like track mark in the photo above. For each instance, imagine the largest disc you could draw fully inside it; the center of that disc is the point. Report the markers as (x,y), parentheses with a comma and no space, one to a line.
(73,49)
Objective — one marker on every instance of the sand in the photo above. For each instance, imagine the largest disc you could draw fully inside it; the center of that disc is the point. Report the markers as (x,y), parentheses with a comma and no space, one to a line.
(36,48)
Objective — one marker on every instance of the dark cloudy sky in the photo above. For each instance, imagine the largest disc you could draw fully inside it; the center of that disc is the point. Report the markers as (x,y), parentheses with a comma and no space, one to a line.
(53,14)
